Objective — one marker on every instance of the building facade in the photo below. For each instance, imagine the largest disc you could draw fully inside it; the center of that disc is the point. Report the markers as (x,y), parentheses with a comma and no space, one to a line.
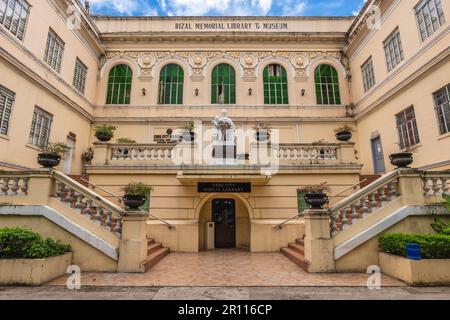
(384,74)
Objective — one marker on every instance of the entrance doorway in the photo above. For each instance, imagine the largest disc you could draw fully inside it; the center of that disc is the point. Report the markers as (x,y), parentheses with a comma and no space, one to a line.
(378,155)
(224,218)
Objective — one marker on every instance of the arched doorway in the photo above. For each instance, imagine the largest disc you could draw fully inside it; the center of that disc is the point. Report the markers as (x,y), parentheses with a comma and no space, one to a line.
(232,221)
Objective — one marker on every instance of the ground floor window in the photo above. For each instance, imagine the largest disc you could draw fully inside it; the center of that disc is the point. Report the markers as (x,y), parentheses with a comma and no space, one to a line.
(442,106)
(40,127)
(407,128)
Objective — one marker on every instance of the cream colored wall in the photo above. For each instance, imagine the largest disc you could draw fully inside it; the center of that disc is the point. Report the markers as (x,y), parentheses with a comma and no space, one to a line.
(14,147)
(359,259)
(86,257)
(384,100)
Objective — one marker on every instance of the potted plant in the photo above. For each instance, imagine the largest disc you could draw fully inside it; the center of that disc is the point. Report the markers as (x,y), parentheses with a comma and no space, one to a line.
(315,195)
(188,133)
(262,132)
(87,156)
(104,132)
(344,133)
(126,141)
(135,194)
(403,158)
(51,154)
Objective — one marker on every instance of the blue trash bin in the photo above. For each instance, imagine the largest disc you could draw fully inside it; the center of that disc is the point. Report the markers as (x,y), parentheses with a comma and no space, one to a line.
(413,251)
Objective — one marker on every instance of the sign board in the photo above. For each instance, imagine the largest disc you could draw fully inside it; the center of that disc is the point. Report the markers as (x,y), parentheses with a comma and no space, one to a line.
(225,187)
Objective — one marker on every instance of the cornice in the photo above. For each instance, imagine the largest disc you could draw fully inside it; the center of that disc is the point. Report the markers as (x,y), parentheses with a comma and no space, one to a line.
(252,120)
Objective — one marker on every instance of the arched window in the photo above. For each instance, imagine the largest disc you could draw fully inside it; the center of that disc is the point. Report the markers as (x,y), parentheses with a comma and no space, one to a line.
(171,84)
(223,85)
(275,85)
(327,85)
(119,85)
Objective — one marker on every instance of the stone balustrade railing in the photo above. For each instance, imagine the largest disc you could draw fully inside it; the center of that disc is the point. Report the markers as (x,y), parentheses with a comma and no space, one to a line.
(364,202)
(15,185)
(436,183)
(156,152)
(307,152)
(38,186)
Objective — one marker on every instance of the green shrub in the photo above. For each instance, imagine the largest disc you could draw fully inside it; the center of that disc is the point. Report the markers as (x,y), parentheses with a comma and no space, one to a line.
(137,189)
(441,227)
(19,243)
(432,246)
(126,140)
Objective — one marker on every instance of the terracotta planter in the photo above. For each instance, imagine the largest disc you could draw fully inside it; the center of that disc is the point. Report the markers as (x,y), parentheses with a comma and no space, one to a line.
(401,159)
(344,136)
(316,200)
(133,202)
(48,160)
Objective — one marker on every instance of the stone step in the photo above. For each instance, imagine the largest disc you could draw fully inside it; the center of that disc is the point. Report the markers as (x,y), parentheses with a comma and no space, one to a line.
(295,257)
(153,247)
(155,257)
(300,241)
(150,242)
(297,247)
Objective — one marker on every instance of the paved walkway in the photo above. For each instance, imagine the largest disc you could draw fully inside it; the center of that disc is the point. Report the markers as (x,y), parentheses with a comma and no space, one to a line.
(227,268)
(223,293)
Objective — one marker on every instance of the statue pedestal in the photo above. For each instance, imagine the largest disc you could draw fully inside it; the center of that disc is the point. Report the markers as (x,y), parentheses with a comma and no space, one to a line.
(224,153)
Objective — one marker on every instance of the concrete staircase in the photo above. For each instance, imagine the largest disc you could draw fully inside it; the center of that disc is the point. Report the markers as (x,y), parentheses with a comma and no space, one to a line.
(155,252)
(296,253)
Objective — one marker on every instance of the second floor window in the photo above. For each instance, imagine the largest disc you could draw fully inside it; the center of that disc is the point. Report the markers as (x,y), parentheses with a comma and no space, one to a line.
(79,75)
(40,127)
(54,51)
(368,74)
(442,105)
(275,85)
(14,16)
(223,85)
(430,17)
(119,85)
(407,128)
(393,50)
(171,82)
(6,104)
(327,85)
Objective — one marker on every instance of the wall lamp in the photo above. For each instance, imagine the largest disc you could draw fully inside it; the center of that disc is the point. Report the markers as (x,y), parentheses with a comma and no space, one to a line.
(144,91)
(303,92)
(197,91)
(250,91)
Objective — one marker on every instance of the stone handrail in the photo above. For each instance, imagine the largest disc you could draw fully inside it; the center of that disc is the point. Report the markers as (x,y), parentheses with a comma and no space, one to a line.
(141,151)
(364,202)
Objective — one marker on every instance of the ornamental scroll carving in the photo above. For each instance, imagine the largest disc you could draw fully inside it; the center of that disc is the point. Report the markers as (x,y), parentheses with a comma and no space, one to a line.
(197,61)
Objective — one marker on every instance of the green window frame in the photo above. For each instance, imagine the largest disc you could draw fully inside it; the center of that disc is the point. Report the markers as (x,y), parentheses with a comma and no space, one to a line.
(171,81)
(119,85)
(223,84)
(275,85)
(327,85)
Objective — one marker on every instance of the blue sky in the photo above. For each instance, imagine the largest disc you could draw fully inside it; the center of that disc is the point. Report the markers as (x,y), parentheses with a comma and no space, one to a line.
(226,7)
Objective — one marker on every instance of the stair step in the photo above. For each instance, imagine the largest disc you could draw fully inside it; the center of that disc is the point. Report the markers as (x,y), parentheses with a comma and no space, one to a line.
(297,247)
(300,241)
(150,242)
(295,257)
(153,247)
(155,257)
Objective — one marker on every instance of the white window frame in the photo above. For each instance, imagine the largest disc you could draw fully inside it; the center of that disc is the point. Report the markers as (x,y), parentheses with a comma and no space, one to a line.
(14,16)
(7,98)
(405,139)
(54,51)
(368,74)
(425,11)
(79,75)
(445,125)
(393,49)
(39,135)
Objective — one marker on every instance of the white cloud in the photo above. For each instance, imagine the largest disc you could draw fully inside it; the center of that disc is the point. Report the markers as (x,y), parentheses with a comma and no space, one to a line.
(217,7)
(124,7)
(292,7)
